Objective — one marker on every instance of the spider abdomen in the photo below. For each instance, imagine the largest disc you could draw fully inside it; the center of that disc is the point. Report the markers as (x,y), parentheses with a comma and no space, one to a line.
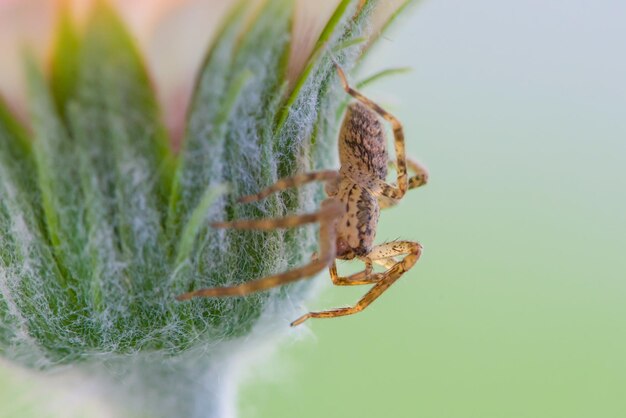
(356,229)
(362,142)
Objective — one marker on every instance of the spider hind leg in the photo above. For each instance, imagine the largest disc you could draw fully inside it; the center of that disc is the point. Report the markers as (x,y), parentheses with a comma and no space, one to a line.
(328,216)
(382,281)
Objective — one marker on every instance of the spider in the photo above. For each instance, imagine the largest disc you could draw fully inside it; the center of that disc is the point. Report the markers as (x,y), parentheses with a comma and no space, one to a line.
(349,216)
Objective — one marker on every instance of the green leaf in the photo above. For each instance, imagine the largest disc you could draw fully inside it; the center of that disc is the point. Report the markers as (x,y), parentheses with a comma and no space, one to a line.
(382,74)
(125,171)
(14,137)
(192,228)
(30,281)
(201,155)
(340,14)
(61,194)
(229,138)
(251,162)
(64,62)
(17,175)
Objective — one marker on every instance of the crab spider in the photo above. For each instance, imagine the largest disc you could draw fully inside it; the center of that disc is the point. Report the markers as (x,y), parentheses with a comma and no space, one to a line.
(348,217)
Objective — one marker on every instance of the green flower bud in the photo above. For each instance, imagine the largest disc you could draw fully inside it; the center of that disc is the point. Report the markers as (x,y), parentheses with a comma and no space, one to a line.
(102,224)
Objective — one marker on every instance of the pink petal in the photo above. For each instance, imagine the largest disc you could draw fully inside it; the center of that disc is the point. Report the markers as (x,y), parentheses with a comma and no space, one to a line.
(25,25)
(172,34)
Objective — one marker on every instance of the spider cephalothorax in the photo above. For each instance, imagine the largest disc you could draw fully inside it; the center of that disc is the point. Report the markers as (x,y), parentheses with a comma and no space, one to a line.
(349,216)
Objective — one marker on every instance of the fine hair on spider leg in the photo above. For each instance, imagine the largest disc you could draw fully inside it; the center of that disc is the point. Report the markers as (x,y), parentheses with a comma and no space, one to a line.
(348,218)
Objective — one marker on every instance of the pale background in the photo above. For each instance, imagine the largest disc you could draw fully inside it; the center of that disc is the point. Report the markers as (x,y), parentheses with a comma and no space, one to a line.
(517,308)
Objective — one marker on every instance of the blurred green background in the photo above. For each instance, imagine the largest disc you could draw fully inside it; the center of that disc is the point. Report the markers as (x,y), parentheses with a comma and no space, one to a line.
(517,307)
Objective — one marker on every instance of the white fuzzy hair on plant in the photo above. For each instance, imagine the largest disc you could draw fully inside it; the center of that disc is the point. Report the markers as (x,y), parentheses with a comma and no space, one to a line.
(101,225)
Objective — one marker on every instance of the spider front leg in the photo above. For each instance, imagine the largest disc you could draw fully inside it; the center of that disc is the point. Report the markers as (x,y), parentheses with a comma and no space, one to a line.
(294,181)
(330,212)
(420,174)
(418,179)
(383,280)
(384,188)
(329,176)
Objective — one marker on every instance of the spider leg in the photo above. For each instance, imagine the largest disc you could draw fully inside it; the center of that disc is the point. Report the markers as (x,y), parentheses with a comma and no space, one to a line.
(386,262)
(274,223)
(288,182)
(362,277)
(383,280)
(420,173)
(384,188)
(328,216)
(419,178)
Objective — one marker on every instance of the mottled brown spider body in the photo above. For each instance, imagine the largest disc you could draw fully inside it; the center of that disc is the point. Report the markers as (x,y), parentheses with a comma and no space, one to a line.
(362,145)
(349,216)
(363,158)
(356,229)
